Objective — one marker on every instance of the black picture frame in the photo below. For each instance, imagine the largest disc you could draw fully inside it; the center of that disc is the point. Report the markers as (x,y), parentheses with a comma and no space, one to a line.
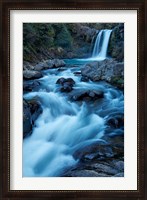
(141,7)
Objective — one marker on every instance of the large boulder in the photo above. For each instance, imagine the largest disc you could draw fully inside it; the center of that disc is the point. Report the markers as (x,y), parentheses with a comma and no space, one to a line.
(40,66)
(31,86)
(31,74)
(66,84)
(31,111)
(27,66)
(55,63)
(108,70)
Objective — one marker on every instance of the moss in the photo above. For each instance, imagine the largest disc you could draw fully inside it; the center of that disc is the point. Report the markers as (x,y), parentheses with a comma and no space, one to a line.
(118,81)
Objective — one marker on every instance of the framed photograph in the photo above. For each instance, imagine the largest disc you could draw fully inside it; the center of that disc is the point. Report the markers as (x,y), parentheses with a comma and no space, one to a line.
(73,99)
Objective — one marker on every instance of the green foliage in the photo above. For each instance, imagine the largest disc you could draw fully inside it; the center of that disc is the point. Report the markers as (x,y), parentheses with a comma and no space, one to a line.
(118,81)
(42,40)
(63,37)
(36,36)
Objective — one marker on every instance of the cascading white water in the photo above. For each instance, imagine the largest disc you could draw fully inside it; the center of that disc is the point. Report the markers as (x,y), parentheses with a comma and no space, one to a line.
(64,126)
(101,44)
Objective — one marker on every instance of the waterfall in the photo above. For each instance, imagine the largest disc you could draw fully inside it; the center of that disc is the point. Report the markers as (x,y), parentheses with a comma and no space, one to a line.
(101,44)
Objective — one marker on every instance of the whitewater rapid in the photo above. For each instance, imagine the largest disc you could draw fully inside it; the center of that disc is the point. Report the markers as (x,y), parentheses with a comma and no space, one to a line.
(65,126)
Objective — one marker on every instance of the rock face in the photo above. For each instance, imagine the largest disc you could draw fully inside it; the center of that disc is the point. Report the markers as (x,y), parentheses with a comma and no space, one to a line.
(31,111)
(107,70)
(116,44)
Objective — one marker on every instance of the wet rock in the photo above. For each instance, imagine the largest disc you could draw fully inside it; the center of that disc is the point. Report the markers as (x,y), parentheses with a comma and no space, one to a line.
(70,80)
(27,125)
(119,165)
(103,168)
(107,70)
(84,173)
(77,73)
(31,111)
(84,79)
(95,151)
(66,84)
(41,66)
(30,86)
(79,95)
(66,87)
(116,121)
(35,109)
(61,81)
(119,174)
(61,69)
(28,66)
(55,63)
(29,75)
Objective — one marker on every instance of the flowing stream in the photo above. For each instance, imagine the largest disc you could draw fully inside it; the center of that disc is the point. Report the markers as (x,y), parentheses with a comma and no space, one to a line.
(66,126)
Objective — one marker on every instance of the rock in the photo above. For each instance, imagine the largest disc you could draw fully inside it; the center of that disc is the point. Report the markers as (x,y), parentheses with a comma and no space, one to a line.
(35,109)
(83,173)
(29,75)
(66,87)
(119,165)
(116,43)
(116,121)
(79,95)
(103,168)
(28,66)
(27,125)
(41,66)
(95,151)
(106,70)
(31,111)
(66,84)
(77,73)
(84,79)
(119,175)
(27,86)
(61,81)
(55,63)
(70,80)
(61,69)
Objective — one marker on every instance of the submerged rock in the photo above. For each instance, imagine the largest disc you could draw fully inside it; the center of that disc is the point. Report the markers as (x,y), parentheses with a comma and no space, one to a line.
(80,95)
(84,79)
